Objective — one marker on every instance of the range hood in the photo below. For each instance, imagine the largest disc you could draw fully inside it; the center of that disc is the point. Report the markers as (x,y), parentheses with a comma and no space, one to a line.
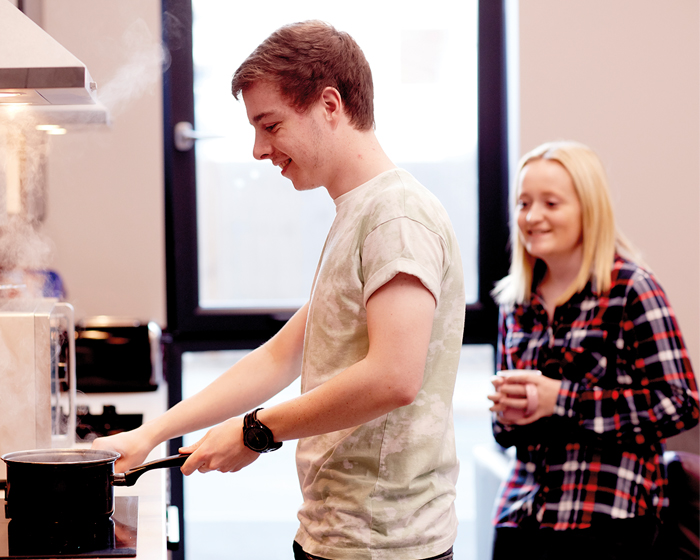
(39,75)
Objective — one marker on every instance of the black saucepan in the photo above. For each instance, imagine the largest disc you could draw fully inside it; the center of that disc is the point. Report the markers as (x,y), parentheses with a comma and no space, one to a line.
(63,484)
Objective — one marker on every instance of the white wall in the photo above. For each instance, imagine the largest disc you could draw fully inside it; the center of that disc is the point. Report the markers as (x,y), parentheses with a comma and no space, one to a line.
(105,184)
(623,76)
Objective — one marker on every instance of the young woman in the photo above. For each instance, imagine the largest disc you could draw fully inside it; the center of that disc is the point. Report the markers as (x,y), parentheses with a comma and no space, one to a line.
(615,381)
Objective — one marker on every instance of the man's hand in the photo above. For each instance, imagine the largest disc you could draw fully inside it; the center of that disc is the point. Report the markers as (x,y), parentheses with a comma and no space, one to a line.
(221,449)
(133,448)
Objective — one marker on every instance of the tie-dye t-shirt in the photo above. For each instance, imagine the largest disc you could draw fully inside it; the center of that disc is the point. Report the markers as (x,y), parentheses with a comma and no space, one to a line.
(385,489)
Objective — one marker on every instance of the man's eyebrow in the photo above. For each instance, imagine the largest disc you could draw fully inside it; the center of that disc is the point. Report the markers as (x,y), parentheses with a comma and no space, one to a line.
(261,116)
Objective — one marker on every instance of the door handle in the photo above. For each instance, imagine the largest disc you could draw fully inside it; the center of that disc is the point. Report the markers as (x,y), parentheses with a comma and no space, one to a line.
(184,135)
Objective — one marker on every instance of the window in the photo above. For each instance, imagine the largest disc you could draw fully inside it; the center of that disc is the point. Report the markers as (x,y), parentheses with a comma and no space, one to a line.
(258,240)
(218,286)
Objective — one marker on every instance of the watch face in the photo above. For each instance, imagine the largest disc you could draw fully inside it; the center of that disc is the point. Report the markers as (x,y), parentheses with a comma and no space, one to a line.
(256,439)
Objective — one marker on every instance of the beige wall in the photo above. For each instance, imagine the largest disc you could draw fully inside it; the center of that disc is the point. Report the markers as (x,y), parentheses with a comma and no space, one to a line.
(623,76)
(106,209)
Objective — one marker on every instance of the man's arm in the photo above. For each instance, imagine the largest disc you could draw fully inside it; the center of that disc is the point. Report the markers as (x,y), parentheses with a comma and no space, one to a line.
(399,321)
(254,379)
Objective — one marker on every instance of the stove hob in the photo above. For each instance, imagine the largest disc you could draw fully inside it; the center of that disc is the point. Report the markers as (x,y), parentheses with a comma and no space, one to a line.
(113,537)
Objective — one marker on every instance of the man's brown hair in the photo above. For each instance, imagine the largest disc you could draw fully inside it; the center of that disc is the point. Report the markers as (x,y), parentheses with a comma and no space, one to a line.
(304,58)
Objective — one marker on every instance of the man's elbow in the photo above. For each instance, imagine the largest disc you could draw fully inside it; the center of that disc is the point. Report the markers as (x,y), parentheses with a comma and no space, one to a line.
(405,390)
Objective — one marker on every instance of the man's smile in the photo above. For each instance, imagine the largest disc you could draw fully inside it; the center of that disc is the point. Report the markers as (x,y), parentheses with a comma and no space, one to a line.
(282,163)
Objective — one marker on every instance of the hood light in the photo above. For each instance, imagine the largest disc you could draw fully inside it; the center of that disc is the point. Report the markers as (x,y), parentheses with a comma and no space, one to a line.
(53,129)
(11,96)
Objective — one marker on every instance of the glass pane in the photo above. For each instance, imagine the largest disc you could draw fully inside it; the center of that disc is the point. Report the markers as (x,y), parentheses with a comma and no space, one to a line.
(254,510)
(259,239)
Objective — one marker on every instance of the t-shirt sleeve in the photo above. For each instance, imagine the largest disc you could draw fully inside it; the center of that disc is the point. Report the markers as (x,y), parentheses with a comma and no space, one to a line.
(403,245)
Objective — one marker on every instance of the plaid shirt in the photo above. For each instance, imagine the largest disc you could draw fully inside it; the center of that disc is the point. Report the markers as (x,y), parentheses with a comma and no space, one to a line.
(627,384)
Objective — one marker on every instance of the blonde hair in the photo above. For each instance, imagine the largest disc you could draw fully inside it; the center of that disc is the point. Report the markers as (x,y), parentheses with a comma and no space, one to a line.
(601,238)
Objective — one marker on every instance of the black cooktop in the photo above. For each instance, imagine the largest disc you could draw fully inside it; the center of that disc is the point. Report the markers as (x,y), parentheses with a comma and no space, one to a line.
(112,537)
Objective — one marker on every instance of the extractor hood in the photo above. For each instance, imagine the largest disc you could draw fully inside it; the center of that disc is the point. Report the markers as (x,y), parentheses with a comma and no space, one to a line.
(37,73)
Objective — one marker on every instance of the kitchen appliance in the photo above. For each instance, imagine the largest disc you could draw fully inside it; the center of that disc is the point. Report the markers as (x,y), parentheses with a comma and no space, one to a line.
(43,89)
(89,426)
(115,354)
(41,77)
(36,69)
(37,375)
(113,537)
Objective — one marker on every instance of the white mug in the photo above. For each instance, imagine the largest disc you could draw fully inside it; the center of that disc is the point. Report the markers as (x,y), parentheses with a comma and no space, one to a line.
(513,414)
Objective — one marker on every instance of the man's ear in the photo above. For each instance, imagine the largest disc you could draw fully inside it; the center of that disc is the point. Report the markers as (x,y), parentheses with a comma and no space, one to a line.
(332,103)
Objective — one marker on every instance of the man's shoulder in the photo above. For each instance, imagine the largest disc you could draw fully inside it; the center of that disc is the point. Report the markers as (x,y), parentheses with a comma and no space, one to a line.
(399,192)
(400,180)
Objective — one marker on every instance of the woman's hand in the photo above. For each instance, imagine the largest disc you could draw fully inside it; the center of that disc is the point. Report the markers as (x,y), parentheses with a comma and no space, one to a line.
(133,447)
(221,449)
(511,393)
(509,404)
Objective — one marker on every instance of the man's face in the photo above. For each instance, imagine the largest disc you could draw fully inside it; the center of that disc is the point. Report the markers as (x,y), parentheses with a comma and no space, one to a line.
(292,140)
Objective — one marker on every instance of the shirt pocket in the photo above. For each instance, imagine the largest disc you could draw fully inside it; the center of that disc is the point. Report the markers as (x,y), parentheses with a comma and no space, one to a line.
(584,357)
(521,348)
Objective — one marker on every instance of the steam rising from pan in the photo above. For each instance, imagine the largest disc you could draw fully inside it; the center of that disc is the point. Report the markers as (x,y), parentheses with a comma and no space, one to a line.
(24,151)
(145,59)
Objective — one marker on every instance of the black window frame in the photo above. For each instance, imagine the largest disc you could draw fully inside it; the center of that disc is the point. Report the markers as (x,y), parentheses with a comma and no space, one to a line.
(191,328)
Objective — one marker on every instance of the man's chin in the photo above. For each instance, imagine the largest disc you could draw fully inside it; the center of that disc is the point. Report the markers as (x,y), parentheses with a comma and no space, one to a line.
(302,186)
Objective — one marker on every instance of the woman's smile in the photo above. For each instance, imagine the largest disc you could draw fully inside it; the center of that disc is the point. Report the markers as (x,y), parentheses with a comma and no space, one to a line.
(549,211)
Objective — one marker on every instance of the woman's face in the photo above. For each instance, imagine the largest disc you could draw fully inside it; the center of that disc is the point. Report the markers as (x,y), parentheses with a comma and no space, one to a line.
(549,213)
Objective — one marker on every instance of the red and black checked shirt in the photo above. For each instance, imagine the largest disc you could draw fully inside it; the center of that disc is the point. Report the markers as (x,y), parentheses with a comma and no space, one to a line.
(627,384)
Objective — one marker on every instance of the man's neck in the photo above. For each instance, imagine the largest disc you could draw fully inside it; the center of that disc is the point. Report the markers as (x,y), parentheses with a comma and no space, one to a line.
(361,160)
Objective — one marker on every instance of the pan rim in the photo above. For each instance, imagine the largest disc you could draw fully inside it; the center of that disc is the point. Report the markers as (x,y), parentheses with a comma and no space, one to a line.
(82,456)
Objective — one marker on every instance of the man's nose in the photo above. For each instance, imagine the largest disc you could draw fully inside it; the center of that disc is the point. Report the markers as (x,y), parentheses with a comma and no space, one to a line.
(261,148)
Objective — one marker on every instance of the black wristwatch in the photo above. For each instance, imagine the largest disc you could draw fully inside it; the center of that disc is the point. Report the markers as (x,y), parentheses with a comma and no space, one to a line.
(257,436)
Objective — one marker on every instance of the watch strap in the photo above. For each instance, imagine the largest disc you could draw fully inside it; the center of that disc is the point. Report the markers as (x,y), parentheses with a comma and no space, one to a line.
(250,421)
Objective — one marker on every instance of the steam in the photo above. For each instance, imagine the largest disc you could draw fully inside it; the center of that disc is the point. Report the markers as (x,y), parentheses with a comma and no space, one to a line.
(23,153)
(24,250)
(139,74)
(23,247)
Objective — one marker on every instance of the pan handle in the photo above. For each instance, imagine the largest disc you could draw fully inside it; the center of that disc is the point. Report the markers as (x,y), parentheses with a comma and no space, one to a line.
(130,477)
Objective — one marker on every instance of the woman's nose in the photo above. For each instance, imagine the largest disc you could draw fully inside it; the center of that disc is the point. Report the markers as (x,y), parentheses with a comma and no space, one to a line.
(533,213)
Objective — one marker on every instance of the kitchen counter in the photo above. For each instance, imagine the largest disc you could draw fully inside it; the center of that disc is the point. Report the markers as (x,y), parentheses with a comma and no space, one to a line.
(152,487)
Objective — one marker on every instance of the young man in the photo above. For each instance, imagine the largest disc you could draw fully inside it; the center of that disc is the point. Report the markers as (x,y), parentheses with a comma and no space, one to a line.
(377,345)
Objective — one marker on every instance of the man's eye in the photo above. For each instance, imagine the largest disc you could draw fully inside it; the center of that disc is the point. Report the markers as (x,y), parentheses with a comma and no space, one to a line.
(271,128)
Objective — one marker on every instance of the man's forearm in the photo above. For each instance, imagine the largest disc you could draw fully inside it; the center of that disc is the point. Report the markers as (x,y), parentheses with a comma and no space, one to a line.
(255,378)
(352,398)
(399,321)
